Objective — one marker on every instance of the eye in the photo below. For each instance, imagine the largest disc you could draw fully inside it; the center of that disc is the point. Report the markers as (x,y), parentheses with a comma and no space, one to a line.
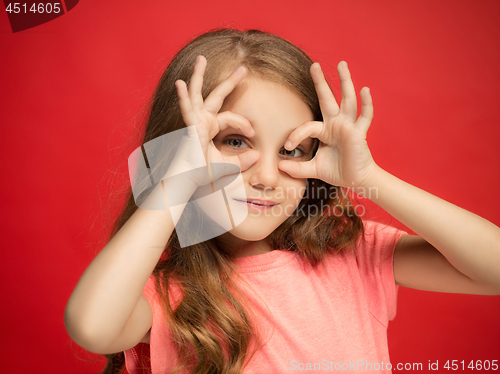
(236,143)
(293,153)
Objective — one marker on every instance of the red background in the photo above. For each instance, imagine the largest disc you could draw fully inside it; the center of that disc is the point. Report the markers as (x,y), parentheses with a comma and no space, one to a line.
(72,91)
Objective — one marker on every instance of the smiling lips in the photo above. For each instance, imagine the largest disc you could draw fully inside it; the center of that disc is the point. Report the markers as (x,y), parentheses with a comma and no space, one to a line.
(258,204)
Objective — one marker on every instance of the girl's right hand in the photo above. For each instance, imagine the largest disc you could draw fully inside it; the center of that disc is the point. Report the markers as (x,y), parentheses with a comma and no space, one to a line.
(204,122)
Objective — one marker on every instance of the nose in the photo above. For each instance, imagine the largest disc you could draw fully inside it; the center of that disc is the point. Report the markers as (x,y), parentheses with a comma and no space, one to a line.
(265,173)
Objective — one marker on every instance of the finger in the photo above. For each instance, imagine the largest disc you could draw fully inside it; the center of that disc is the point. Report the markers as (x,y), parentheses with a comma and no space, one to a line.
(225,168)
(243,161)
(247,159)
(229,119)
(310,129)
(365,119)
(327,102)
(196,83)
(348,106)
(299,169)
(215,99)
(185,103)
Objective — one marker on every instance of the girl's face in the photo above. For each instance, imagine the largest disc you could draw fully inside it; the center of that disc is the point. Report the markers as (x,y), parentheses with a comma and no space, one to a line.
(274,112)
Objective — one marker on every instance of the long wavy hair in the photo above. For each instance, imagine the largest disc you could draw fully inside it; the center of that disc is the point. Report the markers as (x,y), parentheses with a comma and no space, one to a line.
(211,326)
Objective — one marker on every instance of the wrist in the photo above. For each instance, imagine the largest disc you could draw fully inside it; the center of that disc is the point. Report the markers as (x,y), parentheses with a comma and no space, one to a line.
(168,193)
(368,189)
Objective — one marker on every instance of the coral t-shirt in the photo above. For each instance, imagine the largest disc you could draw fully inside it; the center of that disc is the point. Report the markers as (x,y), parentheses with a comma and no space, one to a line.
(333,316)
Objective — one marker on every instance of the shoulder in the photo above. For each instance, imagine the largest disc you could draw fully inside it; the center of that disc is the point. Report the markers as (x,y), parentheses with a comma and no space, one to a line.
(377,234)
(378,242)
(152,291)
(380,230)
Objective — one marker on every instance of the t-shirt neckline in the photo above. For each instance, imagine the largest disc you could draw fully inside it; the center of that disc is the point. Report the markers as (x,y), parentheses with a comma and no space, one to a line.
(269,260)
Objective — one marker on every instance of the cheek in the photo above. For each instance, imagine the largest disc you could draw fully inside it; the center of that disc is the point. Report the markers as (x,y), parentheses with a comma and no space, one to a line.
(295,191)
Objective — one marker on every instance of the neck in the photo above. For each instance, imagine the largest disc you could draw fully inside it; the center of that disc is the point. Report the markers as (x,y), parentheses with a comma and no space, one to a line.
(243,248)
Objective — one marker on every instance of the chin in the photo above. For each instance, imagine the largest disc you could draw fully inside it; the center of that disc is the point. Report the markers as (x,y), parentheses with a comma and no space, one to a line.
(254,231)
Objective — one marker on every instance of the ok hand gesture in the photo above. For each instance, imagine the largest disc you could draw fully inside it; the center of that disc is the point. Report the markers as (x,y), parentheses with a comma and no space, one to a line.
(343,158)
(204,121)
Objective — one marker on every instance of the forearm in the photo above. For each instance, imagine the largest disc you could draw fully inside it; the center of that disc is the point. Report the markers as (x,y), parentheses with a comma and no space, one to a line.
(470,243)
(110,287)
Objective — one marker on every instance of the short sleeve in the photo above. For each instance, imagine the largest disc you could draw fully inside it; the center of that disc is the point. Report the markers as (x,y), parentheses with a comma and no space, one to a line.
(162,354)
(138,358)
(375,258)
(150,293)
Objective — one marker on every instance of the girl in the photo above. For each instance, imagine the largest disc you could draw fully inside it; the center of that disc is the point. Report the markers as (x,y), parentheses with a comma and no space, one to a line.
(308,286)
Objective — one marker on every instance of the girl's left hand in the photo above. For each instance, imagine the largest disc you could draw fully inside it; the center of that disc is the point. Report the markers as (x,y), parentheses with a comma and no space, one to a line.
(343,158)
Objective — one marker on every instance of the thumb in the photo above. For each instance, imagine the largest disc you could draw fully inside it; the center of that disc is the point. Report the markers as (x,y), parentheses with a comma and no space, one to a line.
(233,165)
(299,170)
(247,159)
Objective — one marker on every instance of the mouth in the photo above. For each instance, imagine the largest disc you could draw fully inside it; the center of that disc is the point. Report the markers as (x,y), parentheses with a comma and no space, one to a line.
(257,204)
